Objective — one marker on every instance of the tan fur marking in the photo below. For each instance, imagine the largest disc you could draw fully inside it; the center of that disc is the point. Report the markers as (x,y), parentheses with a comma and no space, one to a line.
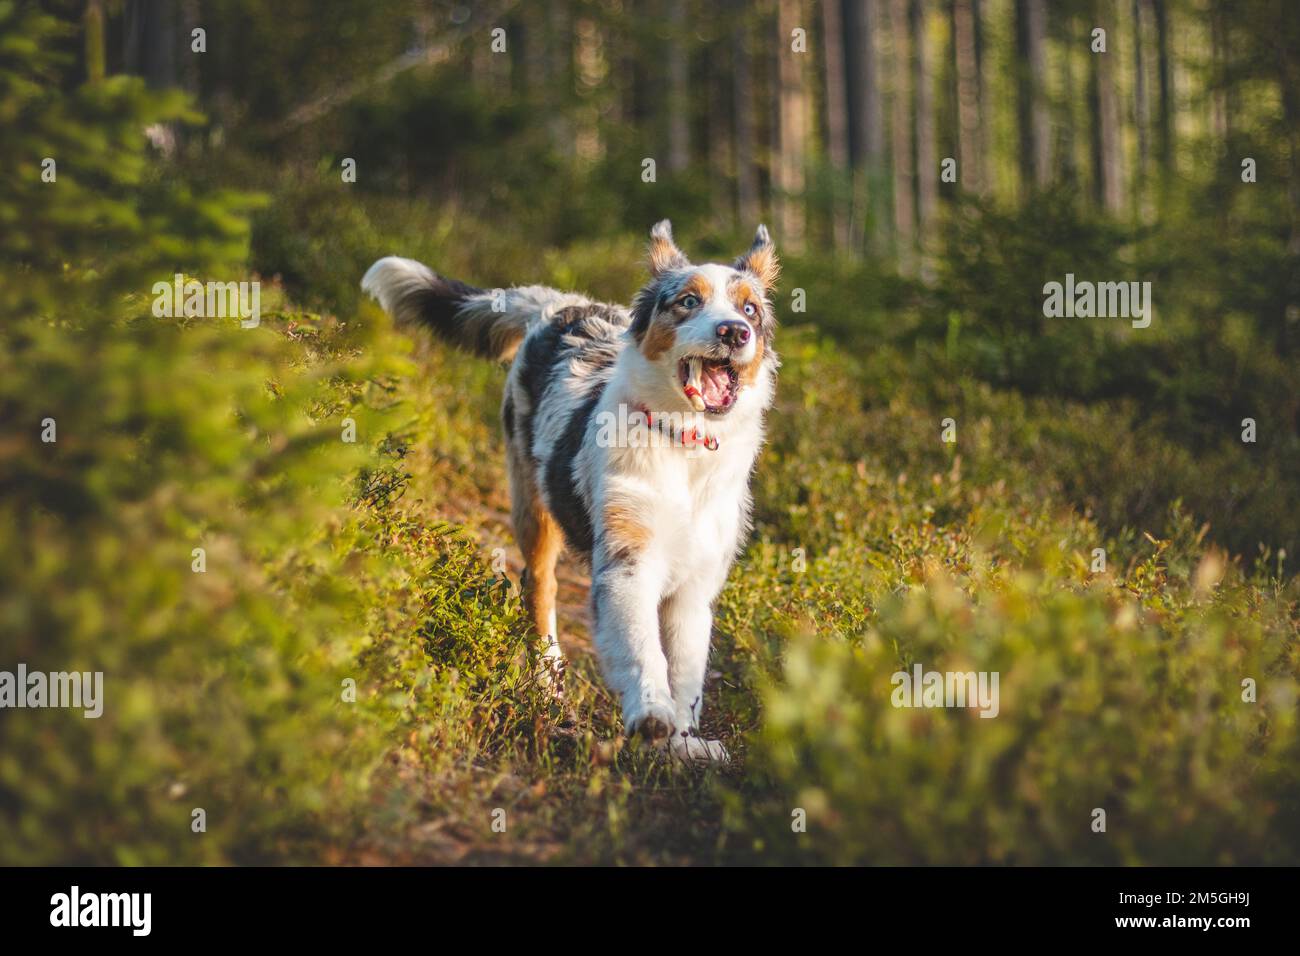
(763,263)
(625,534)
(664,254)
(741,292)
(660,337)
(748,374)
(697,286)
(541,541)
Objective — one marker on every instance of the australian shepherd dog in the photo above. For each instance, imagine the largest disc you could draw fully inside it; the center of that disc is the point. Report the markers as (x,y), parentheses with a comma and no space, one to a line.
(630,435)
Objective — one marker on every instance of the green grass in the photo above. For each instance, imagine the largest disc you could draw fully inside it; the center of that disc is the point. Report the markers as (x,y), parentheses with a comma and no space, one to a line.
(1121,690)
(877,546)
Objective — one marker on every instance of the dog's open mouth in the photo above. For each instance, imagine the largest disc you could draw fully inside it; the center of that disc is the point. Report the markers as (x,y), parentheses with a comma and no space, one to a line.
(710,384)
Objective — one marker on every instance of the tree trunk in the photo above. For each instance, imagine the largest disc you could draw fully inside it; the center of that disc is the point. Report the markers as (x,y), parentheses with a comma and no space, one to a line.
(1112,167)
(1035,126)
(1218,55)
(92,22)
(190,18)
(927,172)
(523,65)
(866,125)
(901,134)
(722,60)
(988,158)
(1289,81)
(591,69)
(559,68)
(679,100)
(1165,109)
(742,88)
(636,106)
(970,159)
(1141,114)
(150,42)
(1074,111)
(791,127)
(837,120)
(1096,150)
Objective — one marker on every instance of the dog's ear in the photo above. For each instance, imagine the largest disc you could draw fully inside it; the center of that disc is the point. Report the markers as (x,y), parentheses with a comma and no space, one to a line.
(664,254)
(761,260)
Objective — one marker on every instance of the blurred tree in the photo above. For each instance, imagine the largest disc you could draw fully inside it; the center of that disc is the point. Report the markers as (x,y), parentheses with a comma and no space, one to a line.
(93,24)
(901,133)
(837,119)
(792,122)
(866,126)
(678,101)
(927,168)
(746,151)
(1031,100)
(971,167)
(1164,70)
(1103,98)
(129,439)
(1141,112)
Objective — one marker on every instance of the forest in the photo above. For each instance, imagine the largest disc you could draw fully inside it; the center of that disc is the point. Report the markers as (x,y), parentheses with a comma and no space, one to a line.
(1037,417)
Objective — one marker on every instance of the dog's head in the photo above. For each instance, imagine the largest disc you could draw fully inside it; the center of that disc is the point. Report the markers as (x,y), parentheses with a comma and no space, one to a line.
(710,327)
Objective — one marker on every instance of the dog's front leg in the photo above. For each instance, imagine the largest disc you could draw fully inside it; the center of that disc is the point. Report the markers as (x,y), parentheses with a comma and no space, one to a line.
(687,621)
(625,606)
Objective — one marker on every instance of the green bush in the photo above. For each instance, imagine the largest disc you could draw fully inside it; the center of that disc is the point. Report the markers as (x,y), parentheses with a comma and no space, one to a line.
(1106,701)
(882,547)
(224,690)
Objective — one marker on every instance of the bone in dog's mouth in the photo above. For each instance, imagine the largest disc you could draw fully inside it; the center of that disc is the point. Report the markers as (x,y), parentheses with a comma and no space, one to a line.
(709,384)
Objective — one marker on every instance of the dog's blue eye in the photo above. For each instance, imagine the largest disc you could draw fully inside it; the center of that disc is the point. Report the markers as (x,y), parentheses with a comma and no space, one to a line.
(750,310)
(690,301)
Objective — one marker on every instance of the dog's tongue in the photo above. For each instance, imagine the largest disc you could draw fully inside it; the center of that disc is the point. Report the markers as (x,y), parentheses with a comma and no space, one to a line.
(715,385)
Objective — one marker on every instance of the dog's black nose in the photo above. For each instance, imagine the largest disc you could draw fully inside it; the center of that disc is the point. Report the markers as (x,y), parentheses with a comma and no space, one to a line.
(733,333)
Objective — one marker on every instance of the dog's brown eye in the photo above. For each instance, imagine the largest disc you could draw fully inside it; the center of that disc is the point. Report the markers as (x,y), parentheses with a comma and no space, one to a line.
(689,301)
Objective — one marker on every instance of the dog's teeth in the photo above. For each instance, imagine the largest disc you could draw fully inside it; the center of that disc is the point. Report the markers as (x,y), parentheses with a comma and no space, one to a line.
(695,368)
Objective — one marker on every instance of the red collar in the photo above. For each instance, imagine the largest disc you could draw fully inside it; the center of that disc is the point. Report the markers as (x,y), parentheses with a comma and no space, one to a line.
(687,439)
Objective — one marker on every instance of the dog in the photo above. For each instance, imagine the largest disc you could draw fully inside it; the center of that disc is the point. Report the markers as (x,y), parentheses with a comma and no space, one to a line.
(631,437)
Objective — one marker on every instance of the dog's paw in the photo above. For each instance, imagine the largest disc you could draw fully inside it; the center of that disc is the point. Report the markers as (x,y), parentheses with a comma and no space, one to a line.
(654,724)
(698,750)
(654,731)
(554,667)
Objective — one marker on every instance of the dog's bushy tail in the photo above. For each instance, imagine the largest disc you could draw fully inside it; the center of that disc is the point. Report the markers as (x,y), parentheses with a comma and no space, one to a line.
(487,323)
